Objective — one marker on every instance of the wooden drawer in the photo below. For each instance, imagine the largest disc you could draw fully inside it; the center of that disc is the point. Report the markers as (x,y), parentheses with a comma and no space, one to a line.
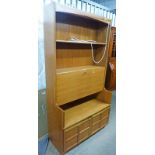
(103,122)
(77,83)
(95,127)
(96,118)
(84,135)
(81,131)
(70,143)
(84,125)
(71,132)
(105,113)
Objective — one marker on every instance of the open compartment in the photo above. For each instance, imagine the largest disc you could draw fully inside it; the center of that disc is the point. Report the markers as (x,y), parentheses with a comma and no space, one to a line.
(82,28)
(79,110)
(74,55)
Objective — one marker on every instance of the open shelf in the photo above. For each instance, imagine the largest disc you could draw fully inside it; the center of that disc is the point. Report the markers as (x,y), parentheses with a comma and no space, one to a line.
(75,69)
(82,111)
(82,28)
(79,42)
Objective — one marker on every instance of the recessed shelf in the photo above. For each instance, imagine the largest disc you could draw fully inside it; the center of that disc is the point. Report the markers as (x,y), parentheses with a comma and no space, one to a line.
(79,42)
(80,112)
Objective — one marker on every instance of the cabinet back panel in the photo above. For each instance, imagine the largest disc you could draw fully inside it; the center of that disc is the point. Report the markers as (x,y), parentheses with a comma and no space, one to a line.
(81,28)
(72,57)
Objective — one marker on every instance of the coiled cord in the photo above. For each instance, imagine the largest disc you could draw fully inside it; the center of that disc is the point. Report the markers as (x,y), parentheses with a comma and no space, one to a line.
(97,62)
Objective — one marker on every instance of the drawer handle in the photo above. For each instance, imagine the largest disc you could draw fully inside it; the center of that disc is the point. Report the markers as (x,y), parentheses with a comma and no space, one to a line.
(68,139)
(84,129)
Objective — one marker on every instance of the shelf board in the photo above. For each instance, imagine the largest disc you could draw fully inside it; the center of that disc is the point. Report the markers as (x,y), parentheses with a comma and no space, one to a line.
(79,42)
(83,111)
(75,69)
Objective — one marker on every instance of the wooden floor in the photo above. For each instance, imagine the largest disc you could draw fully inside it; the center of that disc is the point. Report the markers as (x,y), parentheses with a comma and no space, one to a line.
(76,114)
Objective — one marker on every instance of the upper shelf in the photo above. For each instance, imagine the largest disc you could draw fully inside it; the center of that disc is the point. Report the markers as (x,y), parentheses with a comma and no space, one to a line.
(79,42)
(76,12)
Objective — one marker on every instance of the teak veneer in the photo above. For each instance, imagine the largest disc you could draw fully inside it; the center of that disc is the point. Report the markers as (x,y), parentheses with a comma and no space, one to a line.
(77,82)
(78,104)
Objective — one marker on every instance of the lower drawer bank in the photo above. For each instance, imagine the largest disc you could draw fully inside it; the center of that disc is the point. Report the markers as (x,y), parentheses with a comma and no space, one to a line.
(81,131)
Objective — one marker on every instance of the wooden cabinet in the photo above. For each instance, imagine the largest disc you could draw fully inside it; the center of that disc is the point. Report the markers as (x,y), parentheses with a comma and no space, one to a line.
(78,104)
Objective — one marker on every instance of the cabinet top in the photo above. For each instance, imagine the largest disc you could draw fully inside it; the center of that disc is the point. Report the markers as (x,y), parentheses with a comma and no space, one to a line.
(76,12)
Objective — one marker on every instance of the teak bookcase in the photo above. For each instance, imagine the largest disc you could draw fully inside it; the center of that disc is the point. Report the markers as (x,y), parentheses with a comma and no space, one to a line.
(78,104)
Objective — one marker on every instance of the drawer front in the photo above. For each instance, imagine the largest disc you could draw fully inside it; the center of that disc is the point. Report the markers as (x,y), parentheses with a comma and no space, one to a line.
(105,113)
(71,132)
(84,125)
(71,86)
(95,127)
(83,135)
(70,143)
(96,118)
(81,131)
(103,122)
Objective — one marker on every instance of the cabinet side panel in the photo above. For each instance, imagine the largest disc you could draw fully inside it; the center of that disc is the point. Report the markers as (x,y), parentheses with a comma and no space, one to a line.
(104,95)
(55,115)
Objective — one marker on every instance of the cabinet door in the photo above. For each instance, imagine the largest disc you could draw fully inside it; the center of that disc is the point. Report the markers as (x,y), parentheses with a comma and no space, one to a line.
(73,85)
(95,81)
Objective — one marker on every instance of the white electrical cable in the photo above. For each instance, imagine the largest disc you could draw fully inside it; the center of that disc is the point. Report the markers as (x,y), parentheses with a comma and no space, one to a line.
(97,62)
